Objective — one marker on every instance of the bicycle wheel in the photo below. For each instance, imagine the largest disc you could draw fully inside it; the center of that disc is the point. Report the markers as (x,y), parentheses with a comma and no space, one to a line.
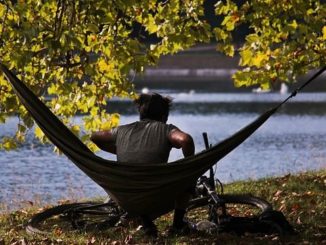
(86,216)
(234,213)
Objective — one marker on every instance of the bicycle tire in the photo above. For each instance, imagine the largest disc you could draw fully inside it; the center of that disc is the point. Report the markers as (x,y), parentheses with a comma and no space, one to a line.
(34,224)
(267,220)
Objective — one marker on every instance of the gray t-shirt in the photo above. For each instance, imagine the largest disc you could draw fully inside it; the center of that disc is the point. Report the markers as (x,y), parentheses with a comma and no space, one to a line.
(145,141)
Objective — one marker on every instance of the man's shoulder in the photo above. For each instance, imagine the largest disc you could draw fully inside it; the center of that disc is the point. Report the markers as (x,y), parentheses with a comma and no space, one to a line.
(128,125)
(167,126)
(143,123)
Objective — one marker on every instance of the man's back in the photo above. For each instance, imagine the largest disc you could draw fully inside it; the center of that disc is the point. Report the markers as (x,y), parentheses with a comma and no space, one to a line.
(149,141)
(143,142)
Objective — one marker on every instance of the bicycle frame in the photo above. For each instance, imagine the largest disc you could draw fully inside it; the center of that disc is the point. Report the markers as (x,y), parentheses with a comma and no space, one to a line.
(209,183)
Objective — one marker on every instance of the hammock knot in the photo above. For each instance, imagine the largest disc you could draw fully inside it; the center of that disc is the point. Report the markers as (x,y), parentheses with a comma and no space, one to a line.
(294,93)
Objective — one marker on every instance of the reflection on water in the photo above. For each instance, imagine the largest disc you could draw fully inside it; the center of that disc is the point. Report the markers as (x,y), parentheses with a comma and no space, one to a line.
(293,140)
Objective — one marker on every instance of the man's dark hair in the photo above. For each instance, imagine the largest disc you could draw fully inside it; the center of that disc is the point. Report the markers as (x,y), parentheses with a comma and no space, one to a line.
(153,106)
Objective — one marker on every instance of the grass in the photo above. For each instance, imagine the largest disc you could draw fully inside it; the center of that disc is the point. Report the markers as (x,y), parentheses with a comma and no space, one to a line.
(301,198)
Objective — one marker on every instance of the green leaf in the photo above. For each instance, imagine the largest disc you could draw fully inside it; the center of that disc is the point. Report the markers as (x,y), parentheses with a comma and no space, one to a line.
(92,28)
(2,118)
(252,38)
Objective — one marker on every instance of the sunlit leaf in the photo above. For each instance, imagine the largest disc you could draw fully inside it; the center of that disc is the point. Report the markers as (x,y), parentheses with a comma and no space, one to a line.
(39,133)
(246,57)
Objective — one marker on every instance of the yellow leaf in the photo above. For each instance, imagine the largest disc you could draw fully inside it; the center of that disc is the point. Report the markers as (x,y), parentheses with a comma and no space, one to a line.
(91,101)
(294,24)
(151,25)
(92,146)
(88,49)
(75,129)
(94,111)
(259,58)
(229,50)
(265,86)
(246,56)
(324,33)
(9,144)
(220,34)
(104,66)
(2,9)
(241,78)
(39,133)
(115,118)
(106,125)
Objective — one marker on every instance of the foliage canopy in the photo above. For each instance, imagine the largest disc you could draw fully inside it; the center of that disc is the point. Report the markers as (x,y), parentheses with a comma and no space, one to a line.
(76,55)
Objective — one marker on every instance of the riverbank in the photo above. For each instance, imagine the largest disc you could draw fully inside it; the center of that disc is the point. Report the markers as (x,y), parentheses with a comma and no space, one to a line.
(301,198)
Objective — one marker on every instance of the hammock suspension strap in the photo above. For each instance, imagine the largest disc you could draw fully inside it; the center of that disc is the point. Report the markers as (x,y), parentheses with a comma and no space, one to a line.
(297,90)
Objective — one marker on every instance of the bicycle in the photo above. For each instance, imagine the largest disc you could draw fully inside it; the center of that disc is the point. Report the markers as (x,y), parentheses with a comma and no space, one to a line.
(100,216)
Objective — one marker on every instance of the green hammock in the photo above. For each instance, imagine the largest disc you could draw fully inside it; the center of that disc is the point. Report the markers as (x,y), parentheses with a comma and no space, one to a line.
(146,189)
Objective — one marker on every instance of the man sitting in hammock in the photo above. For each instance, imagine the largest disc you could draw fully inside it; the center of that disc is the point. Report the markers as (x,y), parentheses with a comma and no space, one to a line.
(150,140)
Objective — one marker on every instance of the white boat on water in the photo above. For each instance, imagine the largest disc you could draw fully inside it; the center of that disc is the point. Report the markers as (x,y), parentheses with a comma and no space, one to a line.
(284,89)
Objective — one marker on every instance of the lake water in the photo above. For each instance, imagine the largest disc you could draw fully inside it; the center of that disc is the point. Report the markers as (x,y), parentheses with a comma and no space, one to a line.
(293,140)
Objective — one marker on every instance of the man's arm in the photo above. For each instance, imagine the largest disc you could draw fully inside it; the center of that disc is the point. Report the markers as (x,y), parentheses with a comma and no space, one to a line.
(182,140)
(105,141)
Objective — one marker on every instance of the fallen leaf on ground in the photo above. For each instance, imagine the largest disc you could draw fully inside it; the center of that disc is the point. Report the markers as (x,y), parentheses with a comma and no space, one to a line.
(295,207)
(128,239)
(92,240)
(279,192)
(115,243)
(299,221)
(282,208)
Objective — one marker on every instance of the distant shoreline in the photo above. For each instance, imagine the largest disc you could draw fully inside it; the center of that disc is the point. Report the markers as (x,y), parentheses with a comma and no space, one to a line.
(216,79)
(204,67)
